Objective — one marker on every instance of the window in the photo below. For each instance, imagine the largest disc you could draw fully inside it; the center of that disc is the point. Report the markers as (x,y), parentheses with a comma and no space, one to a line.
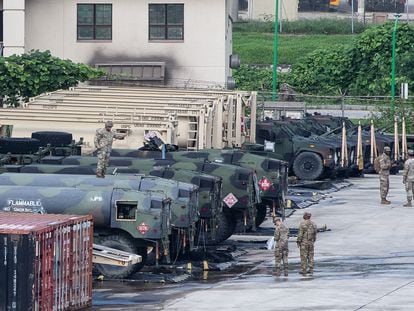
(243,5)
(94,22)
(166,21)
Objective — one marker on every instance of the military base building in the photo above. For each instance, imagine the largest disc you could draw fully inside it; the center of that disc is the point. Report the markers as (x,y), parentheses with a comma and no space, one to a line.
(166,42)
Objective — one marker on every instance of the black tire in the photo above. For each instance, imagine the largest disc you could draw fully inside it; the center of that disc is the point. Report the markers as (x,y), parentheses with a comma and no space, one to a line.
(123,243)
(55,139)
(308,166)
(18,145)
(226,224)
(261,214)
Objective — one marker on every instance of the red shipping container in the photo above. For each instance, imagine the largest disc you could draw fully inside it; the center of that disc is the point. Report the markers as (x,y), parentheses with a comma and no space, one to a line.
(46,260)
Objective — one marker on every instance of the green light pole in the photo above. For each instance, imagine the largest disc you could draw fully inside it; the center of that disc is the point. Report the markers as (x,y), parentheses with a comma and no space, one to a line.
(394,41)
(275,45)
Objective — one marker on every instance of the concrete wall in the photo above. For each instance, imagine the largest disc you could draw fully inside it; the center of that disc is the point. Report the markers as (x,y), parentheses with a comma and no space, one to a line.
(265,9)
(202,55)
(13,26)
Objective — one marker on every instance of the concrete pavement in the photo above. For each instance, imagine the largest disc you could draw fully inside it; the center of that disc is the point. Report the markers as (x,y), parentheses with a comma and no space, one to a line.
(366,261)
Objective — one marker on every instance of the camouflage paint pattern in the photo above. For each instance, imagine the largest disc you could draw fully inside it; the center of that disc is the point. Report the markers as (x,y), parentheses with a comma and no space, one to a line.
(241,182)
(184,196)
(112,209)
(209,186)
(275,171)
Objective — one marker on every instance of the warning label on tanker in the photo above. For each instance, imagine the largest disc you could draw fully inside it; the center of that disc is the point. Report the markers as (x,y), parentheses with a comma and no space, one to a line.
(230,200)
(143,228)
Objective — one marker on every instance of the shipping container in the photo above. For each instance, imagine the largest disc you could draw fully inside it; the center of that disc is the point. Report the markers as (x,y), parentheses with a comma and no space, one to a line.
(45,261)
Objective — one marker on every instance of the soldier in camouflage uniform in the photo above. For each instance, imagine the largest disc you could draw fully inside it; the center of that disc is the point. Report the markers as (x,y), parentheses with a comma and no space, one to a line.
(103,144)
(408,177)
(384,174)
(306,240)
(281,249)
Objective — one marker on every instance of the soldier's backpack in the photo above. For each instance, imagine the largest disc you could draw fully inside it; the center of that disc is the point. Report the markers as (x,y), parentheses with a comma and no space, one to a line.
(377,165)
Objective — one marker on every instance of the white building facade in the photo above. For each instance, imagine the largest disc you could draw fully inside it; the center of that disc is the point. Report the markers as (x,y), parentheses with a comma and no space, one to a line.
(266,9)
(192,38)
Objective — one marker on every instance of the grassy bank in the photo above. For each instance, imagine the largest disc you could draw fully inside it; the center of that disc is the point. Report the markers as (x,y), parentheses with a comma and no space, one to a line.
(257,48)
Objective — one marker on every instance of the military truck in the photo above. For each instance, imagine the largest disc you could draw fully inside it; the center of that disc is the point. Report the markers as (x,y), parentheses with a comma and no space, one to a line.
(124,219)
(308,158)
(271,173)
(213,227)
(240,192)
(333,126)
(184,197)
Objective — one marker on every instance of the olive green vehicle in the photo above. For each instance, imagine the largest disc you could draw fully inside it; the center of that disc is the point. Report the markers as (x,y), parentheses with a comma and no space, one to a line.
(125,219)
(184,197)
(240,192)
(271,173)
(213,226)
(308,158)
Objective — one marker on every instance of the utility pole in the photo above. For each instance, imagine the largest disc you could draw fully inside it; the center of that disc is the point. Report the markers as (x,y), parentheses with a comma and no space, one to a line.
(275,46)
(394,40)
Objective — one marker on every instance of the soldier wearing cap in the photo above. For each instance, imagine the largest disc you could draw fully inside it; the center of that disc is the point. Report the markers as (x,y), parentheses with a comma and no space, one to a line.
(281,249)
(408,177)
(103,144)
(305,241)
(384,174)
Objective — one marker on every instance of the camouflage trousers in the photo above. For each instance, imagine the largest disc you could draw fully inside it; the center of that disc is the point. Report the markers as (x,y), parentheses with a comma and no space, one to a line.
(281,256)
(409,186)
(306,256)
(103,160)
(384,186)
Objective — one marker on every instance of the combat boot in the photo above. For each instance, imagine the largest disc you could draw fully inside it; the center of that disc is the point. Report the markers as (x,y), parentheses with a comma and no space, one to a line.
(286,273)
(277,273)
(310,272)
(303,272)
(385,201)
(99,175)
(408,204)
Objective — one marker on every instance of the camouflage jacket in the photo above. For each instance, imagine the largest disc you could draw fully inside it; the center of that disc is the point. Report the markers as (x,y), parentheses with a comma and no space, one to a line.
(408,174)
(385,165)
(103,139)
(307,232)
(281,236)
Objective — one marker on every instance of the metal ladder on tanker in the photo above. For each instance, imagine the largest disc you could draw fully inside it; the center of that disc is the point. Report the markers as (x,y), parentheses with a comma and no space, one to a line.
(192,138)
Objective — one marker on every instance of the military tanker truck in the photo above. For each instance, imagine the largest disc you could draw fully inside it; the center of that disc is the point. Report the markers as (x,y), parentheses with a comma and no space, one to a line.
(184,197)
(124,219)
(213,227)
(272,174)
(240,191)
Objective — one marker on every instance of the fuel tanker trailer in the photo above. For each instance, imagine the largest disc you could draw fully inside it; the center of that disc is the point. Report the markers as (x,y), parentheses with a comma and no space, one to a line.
(271,173)
(124,219)
(213,226)
(184,196)
(240,192)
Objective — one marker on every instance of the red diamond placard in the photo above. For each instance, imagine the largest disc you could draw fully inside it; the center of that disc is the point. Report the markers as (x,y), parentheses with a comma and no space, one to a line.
(143,228)
(230,200)
(264,184)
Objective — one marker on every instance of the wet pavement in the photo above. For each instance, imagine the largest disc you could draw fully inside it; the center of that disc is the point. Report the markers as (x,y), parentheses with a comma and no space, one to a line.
(365,261)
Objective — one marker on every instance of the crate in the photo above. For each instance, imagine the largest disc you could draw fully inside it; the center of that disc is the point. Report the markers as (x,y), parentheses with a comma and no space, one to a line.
(45,261)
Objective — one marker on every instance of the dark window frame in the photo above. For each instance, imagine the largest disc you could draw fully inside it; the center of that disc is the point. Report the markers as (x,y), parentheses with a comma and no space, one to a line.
(93,25)
(165,25)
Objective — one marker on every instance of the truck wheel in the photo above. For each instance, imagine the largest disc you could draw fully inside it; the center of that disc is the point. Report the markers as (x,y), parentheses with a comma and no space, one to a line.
(55,139)
(224,229)
(261,214)
(124,243)
(19,145)
(308,166)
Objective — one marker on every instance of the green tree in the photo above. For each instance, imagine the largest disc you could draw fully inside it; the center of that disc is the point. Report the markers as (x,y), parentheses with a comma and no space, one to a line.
(27,75)
(363,69)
